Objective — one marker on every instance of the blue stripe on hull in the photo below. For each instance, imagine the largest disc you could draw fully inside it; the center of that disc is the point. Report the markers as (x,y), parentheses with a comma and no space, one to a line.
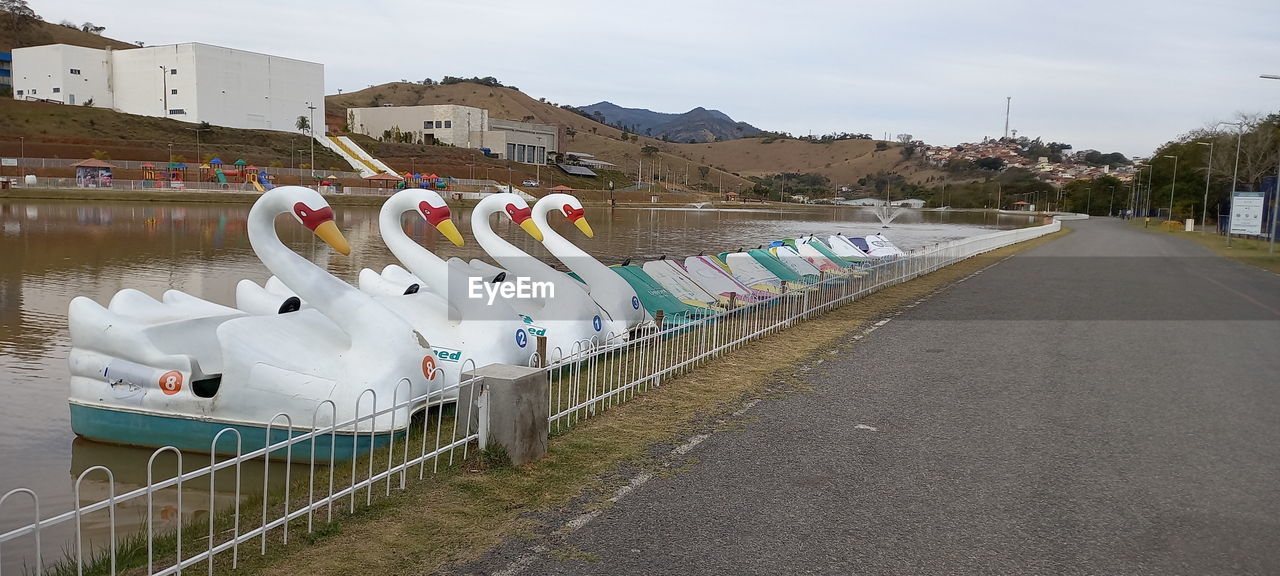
(153,431)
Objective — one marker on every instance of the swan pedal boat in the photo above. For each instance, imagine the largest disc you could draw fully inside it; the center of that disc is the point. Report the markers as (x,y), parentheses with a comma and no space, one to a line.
(178,371)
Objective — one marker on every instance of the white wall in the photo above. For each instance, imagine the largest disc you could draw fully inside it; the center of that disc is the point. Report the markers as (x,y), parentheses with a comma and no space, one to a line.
(221,86)
(43,68)
(375,121)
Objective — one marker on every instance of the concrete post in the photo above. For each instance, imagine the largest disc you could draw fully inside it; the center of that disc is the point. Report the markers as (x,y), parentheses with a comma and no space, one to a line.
(513,409)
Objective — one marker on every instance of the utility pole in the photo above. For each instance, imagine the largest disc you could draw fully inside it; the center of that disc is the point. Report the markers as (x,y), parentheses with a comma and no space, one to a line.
(164,91)
(199,159)
(1008,103)
(311,127)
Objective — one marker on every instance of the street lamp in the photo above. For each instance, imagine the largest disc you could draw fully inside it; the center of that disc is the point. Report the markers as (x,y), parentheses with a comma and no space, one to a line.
(199,158)
(311,127)
(413,164)
(1208,168)
(1235,172)
(171,154)
(313,172)
(1275,203)
(1111,203)
(1174,184)
(164,91)
(1088,199)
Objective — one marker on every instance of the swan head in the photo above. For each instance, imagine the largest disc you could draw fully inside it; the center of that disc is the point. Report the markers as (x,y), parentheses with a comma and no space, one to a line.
(311,210)
(434,210)
(572,210)
(520,213)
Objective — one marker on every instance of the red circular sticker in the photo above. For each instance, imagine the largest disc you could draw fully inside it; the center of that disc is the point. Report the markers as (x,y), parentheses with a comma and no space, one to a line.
(171,382)
(429,367)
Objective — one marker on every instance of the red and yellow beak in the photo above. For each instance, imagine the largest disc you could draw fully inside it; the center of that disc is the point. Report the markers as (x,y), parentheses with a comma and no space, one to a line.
(439,217)
(523,217)
(579,218)
(328,231)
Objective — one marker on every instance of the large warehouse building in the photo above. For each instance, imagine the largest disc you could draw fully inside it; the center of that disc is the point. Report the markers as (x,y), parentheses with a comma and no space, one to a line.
(188,82)
(462,126)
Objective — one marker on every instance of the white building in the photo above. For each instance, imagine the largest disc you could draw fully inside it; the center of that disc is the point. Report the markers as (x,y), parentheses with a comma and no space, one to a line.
(462,126)
(187,82)
(909,203)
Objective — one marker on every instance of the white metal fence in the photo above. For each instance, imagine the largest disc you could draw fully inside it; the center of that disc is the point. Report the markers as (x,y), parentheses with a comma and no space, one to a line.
(436,432)
(589,380)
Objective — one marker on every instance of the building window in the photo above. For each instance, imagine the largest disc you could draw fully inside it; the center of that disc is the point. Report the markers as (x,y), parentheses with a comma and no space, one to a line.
(177,111)
(19,92)
(173,71)
(173,90)
(448,123)
(33,91)
(75,71)
(57,90)
(439,124)
(426,125)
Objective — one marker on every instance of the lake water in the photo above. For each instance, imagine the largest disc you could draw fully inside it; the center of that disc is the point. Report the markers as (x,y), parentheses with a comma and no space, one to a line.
(51,252)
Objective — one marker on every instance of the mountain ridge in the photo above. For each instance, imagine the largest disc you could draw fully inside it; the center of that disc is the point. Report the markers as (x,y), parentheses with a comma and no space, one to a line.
(695,126)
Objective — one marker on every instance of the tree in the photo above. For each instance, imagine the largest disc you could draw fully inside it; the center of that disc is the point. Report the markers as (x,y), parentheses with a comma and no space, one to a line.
(303,124)
(90,28)
(905,138)
(703,171)
(990,163)
(649,150)
(21,15)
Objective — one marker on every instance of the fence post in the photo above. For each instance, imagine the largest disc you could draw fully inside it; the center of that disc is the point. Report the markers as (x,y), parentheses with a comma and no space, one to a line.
(513,410)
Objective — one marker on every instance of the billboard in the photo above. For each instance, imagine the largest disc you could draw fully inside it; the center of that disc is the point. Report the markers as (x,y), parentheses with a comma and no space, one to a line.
(1246,212)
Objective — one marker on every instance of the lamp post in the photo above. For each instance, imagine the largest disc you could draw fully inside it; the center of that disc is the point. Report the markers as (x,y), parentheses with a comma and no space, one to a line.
(1088,199)
(1146,205)
(1275,202)
(1235,172)
(164,91)
(300,172)
(537,158)
(199,159)
(311,127)
(1208,168)
(1174,184)
(413,164)
(22,154)
(170,155)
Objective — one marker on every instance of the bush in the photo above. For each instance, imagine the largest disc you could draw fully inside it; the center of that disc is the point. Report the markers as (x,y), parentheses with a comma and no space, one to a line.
(881,146)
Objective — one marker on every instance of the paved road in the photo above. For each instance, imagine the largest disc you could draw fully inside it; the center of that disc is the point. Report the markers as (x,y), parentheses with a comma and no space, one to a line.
(1108,403)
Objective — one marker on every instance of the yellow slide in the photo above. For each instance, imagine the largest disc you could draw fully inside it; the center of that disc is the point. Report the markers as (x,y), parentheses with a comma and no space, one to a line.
(257,184)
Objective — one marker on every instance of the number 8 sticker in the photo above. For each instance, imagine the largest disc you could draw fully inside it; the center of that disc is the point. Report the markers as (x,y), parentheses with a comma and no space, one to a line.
(171,382)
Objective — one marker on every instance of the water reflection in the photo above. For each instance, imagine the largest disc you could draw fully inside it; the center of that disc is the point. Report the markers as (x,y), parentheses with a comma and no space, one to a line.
(51,252)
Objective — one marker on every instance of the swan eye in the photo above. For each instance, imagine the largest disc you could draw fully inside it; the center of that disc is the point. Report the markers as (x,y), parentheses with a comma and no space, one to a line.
(573,214)
(310,217)
(433,215)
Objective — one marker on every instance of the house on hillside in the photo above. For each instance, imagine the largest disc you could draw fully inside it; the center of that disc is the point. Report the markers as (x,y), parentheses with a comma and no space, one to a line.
(909,203)
(189,82)
(864,202)
(461,126)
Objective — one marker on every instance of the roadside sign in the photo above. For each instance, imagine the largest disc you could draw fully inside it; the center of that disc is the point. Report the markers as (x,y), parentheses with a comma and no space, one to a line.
(1246,212)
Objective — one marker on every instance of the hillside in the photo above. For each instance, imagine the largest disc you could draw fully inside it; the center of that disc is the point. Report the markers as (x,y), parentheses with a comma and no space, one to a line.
(728,163)
(37,32)
(697,125)
(59,131)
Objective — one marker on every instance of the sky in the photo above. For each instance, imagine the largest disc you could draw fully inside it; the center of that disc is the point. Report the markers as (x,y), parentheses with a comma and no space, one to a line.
(1121,75)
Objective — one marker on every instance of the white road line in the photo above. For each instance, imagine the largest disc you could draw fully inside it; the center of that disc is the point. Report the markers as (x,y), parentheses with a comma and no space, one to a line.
(636,482)
(580,521)
(683,449)
(747,406)
(519,564)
